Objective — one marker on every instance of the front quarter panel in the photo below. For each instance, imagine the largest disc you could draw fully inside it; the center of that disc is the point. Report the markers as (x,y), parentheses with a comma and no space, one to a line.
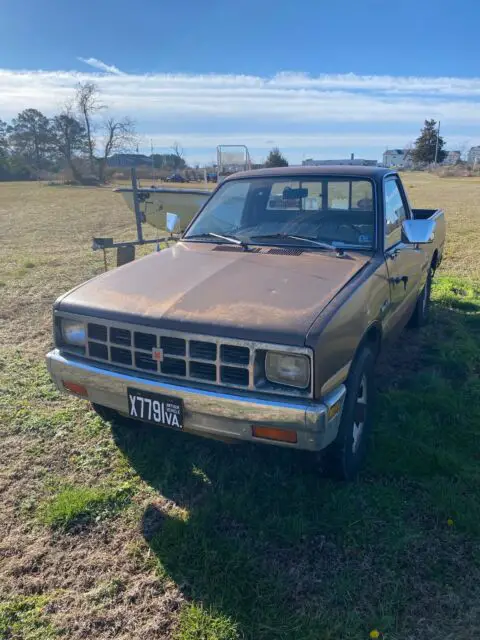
(340,328)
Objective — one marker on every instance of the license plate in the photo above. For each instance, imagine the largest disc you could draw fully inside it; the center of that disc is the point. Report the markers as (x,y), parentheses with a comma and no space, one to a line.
(155,408)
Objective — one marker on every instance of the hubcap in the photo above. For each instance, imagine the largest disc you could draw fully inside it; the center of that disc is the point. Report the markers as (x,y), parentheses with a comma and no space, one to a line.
(360,413)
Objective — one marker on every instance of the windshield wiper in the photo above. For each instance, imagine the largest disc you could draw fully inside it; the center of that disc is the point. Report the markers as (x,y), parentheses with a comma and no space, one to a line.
(324,245)
(231,239)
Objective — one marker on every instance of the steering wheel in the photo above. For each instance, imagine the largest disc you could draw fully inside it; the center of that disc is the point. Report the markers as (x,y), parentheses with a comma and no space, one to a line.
(332,217)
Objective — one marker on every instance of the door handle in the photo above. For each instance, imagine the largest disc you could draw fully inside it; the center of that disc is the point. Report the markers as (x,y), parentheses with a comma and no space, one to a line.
(399,279)
(393,254)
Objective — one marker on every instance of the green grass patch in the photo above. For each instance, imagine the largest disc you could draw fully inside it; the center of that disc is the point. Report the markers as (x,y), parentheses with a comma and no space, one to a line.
(456,293)
(23,618)
(196,623)
(74,505)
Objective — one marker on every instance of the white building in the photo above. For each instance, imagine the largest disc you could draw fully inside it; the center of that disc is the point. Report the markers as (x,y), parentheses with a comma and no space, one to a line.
(474,155)
(359,162)
(397,158)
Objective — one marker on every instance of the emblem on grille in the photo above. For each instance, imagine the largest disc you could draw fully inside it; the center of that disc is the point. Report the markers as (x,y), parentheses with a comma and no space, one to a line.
(157,354)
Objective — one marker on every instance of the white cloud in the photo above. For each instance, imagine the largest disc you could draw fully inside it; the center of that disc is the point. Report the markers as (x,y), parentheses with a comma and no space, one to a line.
(283,98)
(292,109)
(98,64)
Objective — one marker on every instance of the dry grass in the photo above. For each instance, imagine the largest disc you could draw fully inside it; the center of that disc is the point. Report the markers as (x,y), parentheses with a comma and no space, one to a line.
(202,548)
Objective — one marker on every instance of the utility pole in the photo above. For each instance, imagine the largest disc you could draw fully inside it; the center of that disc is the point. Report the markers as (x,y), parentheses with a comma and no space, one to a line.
(436,144)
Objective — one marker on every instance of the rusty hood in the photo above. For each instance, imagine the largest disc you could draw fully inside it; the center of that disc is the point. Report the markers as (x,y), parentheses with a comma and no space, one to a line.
(220,290)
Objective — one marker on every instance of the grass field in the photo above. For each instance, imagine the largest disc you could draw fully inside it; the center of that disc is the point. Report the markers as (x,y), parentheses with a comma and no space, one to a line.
(109,532)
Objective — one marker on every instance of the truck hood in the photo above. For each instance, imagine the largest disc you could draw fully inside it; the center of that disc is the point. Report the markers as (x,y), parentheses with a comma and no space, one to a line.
(220,290)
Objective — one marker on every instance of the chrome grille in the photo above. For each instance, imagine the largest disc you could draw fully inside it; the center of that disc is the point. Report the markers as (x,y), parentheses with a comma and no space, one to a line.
(197,359)
(184,356)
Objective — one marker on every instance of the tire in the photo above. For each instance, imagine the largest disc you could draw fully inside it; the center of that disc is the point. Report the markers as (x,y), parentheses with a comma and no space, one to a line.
(421,313)
(344,458)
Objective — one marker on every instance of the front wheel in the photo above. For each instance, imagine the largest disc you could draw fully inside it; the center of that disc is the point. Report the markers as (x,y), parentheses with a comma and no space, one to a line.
(345,456)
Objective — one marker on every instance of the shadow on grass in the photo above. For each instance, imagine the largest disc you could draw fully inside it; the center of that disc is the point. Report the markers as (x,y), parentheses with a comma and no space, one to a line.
(263,547)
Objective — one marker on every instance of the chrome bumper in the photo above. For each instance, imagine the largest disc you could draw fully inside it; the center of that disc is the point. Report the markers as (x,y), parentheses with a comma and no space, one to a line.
(210,413)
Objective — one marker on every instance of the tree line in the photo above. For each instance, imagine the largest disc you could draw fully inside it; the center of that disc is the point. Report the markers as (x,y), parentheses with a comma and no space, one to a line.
(80,139)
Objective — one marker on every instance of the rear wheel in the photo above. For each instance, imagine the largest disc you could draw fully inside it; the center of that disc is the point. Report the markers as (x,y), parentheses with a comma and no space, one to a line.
(421,313)
(345,456)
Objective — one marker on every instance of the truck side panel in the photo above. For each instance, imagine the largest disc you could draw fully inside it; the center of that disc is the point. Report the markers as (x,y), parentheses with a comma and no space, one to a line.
(340,328)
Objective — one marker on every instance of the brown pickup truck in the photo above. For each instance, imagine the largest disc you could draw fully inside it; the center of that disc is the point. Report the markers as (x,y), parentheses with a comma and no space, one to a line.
(264,321)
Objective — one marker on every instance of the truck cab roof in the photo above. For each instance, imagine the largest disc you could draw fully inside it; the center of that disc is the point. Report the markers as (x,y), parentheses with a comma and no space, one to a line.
(344,171)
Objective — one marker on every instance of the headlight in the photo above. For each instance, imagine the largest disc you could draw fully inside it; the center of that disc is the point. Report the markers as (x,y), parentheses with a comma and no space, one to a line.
(73,332)
(287,368)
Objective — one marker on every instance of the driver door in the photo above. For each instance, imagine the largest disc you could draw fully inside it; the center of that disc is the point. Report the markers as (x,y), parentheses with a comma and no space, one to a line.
(406,265)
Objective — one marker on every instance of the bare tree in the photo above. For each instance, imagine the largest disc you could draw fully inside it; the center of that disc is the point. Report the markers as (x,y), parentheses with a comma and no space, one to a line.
(88,104)
(177,156)
(407,155)
(119,136)
(463,148)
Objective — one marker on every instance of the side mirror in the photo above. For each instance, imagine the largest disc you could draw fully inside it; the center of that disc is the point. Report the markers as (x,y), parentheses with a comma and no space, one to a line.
(418,231)
(172,222)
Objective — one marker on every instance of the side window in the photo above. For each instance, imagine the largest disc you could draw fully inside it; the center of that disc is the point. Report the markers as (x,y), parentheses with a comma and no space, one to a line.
(394,213)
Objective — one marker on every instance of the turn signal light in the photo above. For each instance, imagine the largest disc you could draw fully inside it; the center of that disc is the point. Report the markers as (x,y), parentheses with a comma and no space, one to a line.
(270,433)
(79,389)
(334,409)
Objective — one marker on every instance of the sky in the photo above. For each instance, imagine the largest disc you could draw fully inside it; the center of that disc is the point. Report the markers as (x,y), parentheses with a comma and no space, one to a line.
(317,79)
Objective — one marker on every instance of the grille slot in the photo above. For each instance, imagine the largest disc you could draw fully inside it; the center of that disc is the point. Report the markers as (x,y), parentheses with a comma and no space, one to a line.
(146,341)
(235,247)
(287,252)
(144,361)
(120,336)
(174,367)
(234,375)
(122,356)
(97,332)
(228,247)
(203,350)
(232,354)
(98,350)
(203,371)
(173,346)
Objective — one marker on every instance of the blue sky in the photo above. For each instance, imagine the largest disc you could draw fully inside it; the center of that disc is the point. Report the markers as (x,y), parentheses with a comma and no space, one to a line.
(318,79)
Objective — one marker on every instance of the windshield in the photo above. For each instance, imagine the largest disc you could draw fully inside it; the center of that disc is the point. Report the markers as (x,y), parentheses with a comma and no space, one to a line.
(333,210)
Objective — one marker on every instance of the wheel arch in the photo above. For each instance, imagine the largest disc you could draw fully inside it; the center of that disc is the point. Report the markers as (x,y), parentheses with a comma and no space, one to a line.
(371,338)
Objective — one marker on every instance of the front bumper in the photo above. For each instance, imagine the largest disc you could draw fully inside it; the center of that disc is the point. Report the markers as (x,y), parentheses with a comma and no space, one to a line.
(210,413)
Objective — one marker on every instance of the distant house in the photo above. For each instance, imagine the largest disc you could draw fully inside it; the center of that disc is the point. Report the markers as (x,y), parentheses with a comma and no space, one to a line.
(474,155)
(361,162)
(397,158)
(122,160)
